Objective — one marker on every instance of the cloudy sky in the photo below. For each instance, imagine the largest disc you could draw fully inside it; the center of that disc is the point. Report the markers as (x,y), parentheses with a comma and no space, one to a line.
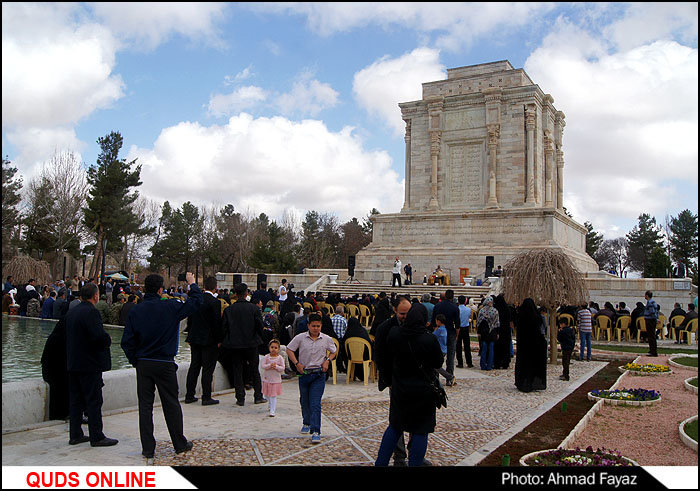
(275,107)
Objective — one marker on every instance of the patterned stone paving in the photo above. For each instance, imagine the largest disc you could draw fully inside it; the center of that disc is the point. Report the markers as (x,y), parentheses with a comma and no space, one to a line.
(481,408)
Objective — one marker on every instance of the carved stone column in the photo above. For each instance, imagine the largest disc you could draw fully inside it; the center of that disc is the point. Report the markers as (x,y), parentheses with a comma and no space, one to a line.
(494,131)
(434,154)
(434,129)
(559,134)
(407,173)
(548,168)
(530,118)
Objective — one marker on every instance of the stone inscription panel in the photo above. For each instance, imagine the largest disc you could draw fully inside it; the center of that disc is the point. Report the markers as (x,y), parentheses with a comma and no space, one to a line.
(465,119)
(465,174)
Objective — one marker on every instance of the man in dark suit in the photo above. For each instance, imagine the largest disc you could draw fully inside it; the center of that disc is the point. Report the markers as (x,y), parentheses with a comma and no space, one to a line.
(243,330)
(87,349)
(204,335)
(150,342)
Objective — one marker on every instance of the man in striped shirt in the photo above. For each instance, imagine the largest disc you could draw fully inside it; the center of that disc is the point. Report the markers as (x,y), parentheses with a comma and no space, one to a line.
(339,322)
(585,327)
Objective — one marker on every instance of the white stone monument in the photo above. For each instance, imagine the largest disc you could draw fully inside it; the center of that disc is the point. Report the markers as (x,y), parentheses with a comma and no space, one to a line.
(484,177)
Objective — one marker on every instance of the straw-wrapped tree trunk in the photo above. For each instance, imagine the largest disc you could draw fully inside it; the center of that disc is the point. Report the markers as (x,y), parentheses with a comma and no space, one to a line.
(24,268)
(550,278)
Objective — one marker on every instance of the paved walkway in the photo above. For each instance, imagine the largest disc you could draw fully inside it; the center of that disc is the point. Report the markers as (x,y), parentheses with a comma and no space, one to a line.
(484,410)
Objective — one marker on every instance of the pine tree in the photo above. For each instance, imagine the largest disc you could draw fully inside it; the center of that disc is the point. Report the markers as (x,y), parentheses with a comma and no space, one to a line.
(11,198)
(593,239)
(643,239)
(684,240)
(108,213)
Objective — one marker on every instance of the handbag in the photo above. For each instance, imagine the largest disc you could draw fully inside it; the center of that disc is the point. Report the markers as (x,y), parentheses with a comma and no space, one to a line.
(437,392)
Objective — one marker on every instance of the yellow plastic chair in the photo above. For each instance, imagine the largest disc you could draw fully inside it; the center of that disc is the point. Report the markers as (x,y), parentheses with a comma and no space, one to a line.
(692,329)
(622,326)
(277,306)
(352,311)
(676,321)
(641,326)
(570,317)
(660,322)
(365,316)
(345,310)
(603,323)
(355,348)
(472,322)
(308,307)
(334,366)
(328,310)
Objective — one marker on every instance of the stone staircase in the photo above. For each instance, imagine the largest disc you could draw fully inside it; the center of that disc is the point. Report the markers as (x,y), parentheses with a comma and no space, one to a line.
(350,289)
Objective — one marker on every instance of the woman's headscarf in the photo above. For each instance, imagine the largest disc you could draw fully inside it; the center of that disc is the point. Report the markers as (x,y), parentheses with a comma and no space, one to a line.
(416,320)
(489,314)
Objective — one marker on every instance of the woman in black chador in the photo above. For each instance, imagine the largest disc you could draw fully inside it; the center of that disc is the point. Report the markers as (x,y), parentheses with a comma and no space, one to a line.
(54,368)
(531,355)
(501,350)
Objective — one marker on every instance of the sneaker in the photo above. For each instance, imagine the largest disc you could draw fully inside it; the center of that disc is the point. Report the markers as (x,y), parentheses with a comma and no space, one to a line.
(209,402)
(306,429)
(105,442)
(272,415)
(186,448)
(190,400)
(316,438)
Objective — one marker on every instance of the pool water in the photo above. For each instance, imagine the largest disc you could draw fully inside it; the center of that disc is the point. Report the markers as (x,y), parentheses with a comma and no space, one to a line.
(23,342)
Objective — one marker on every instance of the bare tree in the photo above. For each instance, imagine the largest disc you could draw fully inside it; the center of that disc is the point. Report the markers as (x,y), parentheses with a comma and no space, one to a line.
(614,254)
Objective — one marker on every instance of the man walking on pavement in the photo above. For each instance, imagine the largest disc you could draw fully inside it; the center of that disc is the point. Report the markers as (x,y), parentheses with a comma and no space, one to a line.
(150,342)
(204,334)
(243,331)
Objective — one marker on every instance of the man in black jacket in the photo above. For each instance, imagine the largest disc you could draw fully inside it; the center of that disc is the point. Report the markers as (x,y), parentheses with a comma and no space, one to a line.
(243,329)
(450,310)
(87,350)
(204,334)
(150,342)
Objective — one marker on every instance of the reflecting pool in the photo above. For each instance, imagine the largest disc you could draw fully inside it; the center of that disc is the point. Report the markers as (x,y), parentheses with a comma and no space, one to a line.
(23,343)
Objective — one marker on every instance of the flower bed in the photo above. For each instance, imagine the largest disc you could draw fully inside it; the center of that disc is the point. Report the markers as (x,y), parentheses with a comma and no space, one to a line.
(630,397)
(691,384)
(689,436)
(684,361)
(646,369)
(576,458)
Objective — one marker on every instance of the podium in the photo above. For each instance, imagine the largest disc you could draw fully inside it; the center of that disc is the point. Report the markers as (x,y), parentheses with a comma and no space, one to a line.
(463,274)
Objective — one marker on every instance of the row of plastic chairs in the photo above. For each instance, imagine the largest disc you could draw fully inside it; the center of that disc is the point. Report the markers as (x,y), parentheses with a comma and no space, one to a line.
(602,325)
(354,348)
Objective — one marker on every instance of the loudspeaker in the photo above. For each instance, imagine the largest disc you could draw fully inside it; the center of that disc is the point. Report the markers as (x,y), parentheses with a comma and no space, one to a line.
(262,278)
(237,278)
(489,266)
(351,265)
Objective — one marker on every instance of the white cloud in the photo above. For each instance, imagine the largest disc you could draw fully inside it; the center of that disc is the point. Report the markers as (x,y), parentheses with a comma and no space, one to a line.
(307,97)
(455,24)
(380,87)
(244,74)
(149,24)
(631,131)
(239,100)
(269,165)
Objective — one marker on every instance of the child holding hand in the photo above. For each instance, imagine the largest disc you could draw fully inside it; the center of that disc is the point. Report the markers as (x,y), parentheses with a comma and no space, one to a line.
(273,366)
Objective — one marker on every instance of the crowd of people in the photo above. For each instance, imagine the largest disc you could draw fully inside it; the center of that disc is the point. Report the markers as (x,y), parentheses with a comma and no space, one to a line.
(264,336)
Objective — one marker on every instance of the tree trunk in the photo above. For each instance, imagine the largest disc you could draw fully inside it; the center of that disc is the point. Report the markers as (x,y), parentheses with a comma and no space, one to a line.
(552,336)
(97,258)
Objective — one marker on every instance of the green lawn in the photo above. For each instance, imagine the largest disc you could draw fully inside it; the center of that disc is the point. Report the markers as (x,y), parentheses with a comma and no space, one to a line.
(644,349)
(691,429)
(686,361)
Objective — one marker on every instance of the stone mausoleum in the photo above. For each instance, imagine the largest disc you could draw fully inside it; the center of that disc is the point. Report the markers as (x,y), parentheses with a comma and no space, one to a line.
(484,177)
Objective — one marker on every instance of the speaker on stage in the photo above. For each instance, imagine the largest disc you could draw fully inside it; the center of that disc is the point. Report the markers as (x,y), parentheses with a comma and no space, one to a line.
(489,266)
(351,266)
(237,278)
(262,278)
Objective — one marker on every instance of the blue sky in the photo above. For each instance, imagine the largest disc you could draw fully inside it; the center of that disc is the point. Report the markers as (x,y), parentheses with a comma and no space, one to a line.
(282,108)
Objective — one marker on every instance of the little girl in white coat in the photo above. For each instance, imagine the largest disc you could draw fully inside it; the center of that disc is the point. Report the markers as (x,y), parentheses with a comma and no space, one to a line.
(273,366)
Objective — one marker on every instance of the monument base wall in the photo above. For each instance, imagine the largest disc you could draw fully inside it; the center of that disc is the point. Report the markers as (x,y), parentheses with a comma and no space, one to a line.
(454,239)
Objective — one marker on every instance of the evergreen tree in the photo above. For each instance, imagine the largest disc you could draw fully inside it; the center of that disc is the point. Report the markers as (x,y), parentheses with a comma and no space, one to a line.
(684,240)
(643,239)
(593,239)
(659,264)
(273,248)
(11,198)
(108,212)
